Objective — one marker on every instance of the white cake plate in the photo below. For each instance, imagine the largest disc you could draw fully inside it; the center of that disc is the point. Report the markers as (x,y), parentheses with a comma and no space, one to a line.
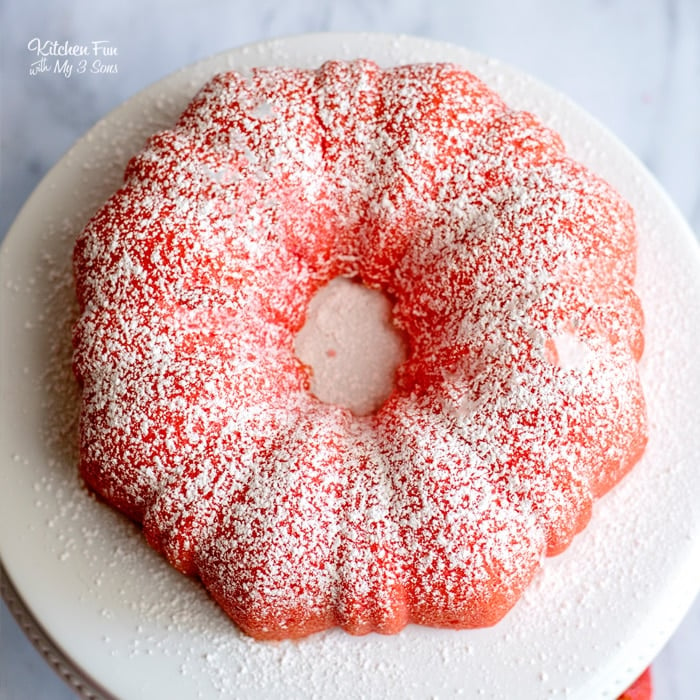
(116,612)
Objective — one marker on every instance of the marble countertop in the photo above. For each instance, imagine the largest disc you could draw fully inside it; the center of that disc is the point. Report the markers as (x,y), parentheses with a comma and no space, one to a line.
(633,64)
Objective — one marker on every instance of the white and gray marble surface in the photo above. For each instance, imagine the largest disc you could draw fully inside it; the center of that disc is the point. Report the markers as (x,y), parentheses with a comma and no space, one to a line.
(633,64)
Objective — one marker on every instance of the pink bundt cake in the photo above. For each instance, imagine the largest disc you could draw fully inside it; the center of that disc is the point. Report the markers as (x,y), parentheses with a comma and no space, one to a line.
(511,268)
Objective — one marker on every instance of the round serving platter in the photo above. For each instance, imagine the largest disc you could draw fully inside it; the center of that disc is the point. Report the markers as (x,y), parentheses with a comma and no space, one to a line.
(117,615)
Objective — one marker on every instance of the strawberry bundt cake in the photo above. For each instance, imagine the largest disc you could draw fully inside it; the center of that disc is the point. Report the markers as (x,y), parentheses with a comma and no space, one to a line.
(510,268)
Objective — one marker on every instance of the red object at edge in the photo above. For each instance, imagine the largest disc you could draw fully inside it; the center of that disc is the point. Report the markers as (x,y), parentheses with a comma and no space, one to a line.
(641,689)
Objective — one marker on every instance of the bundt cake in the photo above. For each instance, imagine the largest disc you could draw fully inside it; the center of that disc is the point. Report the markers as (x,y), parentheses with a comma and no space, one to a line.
(510,268)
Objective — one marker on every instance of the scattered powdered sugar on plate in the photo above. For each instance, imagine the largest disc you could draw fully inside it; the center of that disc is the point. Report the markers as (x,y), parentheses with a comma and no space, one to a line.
(351,345)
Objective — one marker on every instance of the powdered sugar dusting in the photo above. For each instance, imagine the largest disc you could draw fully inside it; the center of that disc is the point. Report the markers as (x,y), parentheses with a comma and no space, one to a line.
(571,352)
(197,418)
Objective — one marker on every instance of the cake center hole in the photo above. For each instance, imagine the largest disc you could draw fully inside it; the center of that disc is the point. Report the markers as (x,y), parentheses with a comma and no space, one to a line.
(351,346)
